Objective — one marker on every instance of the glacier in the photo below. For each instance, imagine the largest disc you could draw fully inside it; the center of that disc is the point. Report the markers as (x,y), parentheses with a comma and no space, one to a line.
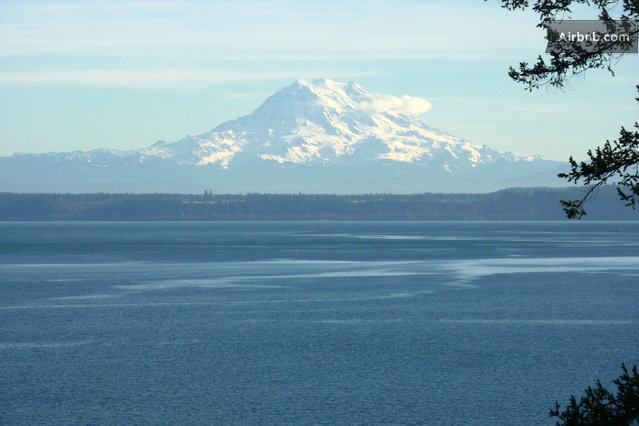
(320,136)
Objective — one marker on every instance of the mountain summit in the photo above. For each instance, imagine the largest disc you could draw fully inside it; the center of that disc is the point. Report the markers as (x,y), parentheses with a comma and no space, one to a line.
(320,136)
(325,121)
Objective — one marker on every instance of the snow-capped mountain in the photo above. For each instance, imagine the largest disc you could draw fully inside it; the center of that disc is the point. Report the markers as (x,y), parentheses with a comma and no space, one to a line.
(320,136)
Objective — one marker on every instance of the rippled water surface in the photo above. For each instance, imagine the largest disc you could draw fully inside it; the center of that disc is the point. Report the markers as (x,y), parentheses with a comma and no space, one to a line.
(311,322)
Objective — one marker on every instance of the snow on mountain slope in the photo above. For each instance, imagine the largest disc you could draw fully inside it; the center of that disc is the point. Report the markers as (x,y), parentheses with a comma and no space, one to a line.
(321,136)
(324,120)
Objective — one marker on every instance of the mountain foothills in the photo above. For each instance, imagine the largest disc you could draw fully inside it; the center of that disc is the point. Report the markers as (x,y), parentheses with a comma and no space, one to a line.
(320,137)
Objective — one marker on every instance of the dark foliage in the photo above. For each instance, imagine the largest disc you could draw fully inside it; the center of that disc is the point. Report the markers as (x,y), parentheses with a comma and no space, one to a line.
(599,406)
(563,65)
(618,160)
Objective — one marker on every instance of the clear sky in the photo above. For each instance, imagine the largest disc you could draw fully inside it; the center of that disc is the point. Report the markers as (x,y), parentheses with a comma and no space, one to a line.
(79,75)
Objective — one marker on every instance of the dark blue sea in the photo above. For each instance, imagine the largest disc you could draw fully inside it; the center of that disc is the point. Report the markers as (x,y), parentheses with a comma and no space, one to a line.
(311,322)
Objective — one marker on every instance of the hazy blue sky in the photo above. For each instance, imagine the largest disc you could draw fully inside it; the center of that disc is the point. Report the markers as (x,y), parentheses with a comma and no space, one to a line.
(82,75)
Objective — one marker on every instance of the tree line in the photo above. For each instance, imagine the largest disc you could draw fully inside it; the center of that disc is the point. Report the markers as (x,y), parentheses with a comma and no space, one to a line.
(509,204)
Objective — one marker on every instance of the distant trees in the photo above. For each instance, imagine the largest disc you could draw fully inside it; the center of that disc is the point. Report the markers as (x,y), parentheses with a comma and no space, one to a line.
(615,162)
(599,406)
(509,204)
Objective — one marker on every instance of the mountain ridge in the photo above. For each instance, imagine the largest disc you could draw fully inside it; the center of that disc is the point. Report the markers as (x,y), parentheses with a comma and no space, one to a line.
(303,132)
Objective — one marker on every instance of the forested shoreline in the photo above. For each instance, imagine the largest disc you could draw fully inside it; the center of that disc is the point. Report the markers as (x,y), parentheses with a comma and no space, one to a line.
(508,204)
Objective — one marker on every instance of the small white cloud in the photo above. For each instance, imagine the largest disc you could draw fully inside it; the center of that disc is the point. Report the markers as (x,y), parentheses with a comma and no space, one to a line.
(400,104)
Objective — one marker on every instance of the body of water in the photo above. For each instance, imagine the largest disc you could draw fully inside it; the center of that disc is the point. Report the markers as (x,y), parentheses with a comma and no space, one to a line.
(311,322)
